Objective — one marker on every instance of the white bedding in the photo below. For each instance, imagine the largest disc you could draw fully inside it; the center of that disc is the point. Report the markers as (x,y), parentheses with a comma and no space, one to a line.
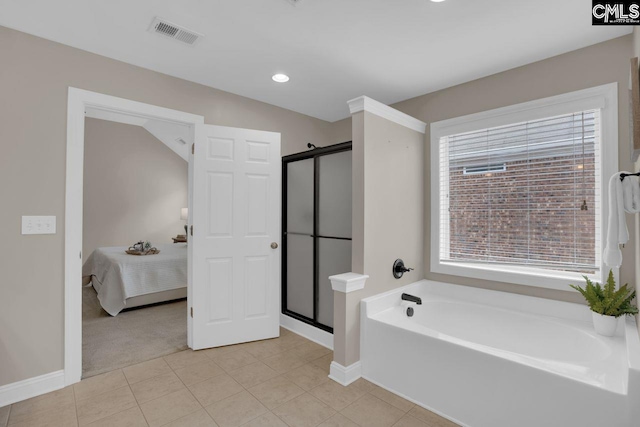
(123,276)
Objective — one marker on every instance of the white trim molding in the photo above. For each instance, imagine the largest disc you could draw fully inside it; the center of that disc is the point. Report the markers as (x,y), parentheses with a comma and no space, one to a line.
(604,98)
(312,333)
(78,102)
(31,387)
(348,282)
(364,103)
(345,375)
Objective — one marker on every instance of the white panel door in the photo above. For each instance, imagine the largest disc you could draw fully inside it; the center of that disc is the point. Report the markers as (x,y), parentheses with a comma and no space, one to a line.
(235,260)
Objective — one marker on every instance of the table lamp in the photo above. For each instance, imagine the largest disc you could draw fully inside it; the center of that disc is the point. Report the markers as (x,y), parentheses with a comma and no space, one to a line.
(184,215)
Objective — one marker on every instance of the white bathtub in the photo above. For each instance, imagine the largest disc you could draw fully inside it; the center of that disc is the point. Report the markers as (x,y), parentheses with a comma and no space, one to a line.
(492,359)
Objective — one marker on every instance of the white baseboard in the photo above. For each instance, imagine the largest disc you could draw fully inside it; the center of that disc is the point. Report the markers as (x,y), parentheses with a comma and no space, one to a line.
(31,387)
(312,333)
(345,375)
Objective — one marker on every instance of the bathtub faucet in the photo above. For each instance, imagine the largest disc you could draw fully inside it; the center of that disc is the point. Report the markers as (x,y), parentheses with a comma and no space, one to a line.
(407,297)
(399,268)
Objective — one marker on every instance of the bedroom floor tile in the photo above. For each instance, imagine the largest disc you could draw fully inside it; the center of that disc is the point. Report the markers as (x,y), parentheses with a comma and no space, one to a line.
(409,421)
(4,415)
(99,384)
(365,385)
(199,372)
(159,386)
(372,412)
(252,375)
(234,360)
(266,420)
(263,349)
(310,351)
(212,353)
(339,420)
(101,406)
(392,399)
(200,418)
(284,362)
(215,389)
(145,370)
(236,410)
(289,341)
(273,383)
(324,362)
(130,418)
(185,358)
(276,391)
(304,410)
(336,395)
(29,408)
(308,376)
(169,408)
(63,416)
(431,419)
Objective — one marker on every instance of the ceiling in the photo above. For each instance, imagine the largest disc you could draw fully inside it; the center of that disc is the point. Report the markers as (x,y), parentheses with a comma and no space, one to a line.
(333,50)
(174,135)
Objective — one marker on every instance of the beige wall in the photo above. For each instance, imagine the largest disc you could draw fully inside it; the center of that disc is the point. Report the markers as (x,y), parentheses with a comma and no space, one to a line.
(34,78)
(134,187)
(592,66)
(388,191)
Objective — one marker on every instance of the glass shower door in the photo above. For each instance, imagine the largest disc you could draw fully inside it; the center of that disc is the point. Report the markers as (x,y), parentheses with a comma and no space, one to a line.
(334,227)
(299,237)
(317,231)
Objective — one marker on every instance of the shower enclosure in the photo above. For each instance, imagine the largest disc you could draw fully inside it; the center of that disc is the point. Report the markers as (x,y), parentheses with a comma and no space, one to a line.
(316,227)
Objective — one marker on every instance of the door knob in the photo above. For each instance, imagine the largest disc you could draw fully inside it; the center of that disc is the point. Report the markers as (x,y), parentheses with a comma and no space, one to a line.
(274,245)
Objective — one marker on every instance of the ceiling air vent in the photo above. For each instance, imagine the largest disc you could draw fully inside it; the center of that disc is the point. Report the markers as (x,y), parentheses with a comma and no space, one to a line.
(174,31)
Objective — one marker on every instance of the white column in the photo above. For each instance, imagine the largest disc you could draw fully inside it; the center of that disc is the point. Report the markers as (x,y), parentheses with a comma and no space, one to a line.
(343,284)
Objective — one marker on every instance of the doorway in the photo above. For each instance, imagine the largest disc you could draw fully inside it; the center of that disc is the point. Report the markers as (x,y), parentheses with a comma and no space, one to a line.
(80,102)
(234,227)
(316,224)
(135,190)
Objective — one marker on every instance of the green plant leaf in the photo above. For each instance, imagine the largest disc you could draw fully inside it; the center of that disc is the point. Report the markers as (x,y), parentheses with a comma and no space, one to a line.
(607,300)
(610,287)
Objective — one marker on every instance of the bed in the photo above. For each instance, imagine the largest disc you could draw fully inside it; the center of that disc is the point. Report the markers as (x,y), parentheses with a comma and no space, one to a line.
(126,281)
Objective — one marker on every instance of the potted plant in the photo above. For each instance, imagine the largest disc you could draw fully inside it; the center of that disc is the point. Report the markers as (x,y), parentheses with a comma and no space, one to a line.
(607,305)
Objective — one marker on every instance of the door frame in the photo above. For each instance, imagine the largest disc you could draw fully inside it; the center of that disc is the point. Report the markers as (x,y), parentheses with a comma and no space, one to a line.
(78,101)
(315,154)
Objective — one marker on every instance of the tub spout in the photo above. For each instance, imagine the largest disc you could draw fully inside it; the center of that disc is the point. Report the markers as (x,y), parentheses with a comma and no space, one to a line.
(407,297)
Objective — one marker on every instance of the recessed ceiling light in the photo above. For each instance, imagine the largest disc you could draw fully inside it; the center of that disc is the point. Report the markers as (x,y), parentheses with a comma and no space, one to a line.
(280,78)
(437,1)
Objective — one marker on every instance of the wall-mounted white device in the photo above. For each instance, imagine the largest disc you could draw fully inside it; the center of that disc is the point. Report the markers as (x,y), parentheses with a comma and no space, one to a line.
(38,225)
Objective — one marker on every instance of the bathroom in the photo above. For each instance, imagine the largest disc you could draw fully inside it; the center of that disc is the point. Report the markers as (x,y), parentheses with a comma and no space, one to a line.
(397,178)
(476,172)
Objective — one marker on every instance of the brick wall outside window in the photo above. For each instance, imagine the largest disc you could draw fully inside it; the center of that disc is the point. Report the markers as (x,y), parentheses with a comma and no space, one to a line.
(493,214)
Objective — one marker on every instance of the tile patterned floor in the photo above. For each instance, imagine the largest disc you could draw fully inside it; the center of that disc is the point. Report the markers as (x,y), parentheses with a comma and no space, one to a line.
(278,382)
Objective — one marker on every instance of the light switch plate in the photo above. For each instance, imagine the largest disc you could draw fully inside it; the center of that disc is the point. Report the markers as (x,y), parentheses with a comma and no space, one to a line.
(38,225)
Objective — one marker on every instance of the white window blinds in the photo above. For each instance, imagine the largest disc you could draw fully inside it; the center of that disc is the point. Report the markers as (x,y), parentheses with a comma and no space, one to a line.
(526,194)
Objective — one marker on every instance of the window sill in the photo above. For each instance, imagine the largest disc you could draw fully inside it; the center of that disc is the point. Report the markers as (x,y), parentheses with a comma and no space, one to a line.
(515,275)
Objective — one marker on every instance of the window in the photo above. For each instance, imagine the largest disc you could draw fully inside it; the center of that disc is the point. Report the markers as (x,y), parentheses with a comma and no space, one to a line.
(486,169)
(518,191)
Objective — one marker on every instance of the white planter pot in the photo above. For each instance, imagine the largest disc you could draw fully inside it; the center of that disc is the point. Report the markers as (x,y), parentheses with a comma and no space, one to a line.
(605,325)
